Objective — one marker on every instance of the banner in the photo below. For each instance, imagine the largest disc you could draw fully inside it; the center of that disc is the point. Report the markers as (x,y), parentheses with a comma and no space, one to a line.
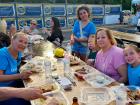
(7,10)
(47,10)
(29,9)
(113,9)
(97,10)
(70,21)
(99,20)
(10,21)
(71,10)
(54,10)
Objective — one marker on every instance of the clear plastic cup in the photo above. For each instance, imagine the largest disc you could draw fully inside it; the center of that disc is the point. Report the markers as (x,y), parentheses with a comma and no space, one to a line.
(47,67)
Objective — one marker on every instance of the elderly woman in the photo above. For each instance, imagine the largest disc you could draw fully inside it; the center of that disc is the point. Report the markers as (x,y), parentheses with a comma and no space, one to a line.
(82,30)
(10,60)
(110,58)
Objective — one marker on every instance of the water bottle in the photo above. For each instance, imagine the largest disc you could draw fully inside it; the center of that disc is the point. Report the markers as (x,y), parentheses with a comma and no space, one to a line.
(121,95)
(66,61)
(47,66)
(68,49)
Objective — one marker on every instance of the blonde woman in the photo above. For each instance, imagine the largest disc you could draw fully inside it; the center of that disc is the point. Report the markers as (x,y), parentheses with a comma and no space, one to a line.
(110,58)
(10,60)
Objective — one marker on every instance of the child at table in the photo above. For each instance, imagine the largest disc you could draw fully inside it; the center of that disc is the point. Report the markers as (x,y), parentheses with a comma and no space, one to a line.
(92,51)
(132,57)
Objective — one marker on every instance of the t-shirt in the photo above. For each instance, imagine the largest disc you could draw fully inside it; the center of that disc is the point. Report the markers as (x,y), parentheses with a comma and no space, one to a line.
(88,30)
(34,32)
(108,62)
(134,75)
(56,36)
(92,54)
(8,64)
(138,24)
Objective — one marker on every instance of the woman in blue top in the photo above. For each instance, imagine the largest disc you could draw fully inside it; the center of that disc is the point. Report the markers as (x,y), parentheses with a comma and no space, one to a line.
(82,30)
(132,57)
(10,60)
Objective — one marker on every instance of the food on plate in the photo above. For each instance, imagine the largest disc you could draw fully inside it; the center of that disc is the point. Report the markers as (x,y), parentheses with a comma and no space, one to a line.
(29,80)
(100,78)
(47,88)
(73,61)
(31,67)
(80,73)
(28,66)
(52,87)
(51,101)
(133,94)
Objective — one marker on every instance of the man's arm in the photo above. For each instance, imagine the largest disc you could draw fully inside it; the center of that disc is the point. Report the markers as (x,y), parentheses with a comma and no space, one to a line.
(24,93)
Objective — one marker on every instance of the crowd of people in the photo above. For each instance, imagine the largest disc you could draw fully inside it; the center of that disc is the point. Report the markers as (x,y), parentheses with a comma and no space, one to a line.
(97,48)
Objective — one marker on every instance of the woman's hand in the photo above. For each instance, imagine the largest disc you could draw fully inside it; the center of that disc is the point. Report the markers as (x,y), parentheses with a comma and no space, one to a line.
(80,39)
(90,62)
(72,39)
(25,75)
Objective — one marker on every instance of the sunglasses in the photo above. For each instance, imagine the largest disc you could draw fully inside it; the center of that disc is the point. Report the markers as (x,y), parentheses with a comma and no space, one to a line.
(33,23)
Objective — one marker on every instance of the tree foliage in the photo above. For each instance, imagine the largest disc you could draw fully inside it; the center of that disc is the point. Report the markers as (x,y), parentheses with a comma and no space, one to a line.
(126,4)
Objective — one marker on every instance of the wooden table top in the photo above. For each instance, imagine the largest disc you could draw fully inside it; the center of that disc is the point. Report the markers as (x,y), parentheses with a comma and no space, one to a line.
(43,50)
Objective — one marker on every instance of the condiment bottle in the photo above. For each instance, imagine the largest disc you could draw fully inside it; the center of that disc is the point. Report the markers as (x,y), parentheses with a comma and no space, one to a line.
(75,101)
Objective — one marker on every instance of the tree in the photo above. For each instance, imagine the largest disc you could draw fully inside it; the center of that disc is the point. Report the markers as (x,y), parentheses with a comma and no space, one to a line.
(126,4)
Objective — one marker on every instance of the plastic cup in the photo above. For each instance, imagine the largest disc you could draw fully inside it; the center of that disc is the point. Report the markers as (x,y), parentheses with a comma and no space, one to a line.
(47,66)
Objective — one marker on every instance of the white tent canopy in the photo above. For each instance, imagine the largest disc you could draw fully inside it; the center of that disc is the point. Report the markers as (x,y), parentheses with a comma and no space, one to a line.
(135,1)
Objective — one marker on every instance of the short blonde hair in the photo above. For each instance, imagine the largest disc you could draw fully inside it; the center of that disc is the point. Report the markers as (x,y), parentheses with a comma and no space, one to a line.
(109,35)
(18,34)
